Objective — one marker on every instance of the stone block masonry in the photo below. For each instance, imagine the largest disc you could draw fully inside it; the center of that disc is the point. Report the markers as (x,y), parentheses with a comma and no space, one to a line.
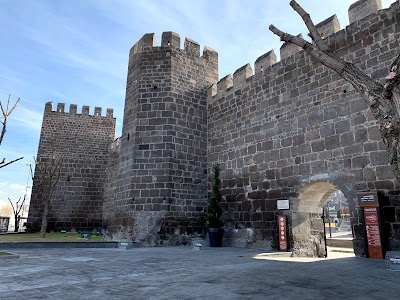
(292,130)
(161,186)
(296,122)
(82,140)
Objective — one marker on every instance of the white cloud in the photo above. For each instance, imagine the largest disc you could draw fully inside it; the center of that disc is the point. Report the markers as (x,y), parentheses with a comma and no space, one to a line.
(13,191)
(28,118)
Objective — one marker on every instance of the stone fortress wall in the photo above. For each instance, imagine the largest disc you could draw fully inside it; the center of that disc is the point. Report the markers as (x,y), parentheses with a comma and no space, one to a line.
(83,142)
(293,130)
(295,122)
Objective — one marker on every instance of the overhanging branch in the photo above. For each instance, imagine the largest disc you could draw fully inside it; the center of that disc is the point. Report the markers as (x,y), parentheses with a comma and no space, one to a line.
(321,44)
(3,164)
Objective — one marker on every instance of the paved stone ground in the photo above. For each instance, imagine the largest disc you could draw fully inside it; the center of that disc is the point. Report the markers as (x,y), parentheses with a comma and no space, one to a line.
(182,273)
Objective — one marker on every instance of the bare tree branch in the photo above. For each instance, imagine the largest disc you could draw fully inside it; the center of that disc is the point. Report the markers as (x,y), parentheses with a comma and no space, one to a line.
(3,163)
(12,205)
(321,44)
(6,114)
(360,81)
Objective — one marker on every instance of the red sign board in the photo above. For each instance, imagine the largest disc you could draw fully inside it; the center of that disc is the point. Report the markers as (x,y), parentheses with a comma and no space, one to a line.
(282,233)
(374,243)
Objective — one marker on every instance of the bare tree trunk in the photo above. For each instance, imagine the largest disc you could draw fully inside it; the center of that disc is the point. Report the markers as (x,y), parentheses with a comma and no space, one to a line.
(48,175)
(384,101)
(43,227)
(16,223)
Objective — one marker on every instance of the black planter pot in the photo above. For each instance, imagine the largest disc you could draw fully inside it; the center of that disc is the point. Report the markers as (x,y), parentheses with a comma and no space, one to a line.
(215,235)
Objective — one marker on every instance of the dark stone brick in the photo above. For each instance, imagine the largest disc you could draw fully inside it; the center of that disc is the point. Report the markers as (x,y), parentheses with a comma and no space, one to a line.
(265,185)
(144,147)
(327,130)
(379,158)
(287,171)
(389,214)
(318,167)
(298,139)
(304,169)
(317,146)
(304,149)
(384,172)
(332,142)
(270,174)
(374,134)
(330,113)
(286,142)
(274,194)
(359,162)
(397,213)
(346,139)
(384,185)
(361,135)
(369,174)
(395,200)
(315,118)
(342,126)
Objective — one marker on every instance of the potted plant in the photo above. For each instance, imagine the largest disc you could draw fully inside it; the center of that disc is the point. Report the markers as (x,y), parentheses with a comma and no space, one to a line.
(214,224)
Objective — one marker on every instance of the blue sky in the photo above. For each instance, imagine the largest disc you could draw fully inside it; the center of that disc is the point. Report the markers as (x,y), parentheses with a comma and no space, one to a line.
(76,52)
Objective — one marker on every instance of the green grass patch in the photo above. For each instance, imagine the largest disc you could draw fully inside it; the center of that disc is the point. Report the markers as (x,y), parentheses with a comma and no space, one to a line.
(5,253)
(49,238)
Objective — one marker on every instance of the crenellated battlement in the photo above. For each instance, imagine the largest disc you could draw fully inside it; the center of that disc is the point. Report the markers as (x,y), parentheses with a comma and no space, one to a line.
(265,61)
(328,26)
(363,8)
(329,29)
(172,40)
(73,110)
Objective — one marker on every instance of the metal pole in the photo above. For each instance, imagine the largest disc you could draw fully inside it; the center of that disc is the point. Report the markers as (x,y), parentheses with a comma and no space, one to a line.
(329,219)
(323,222)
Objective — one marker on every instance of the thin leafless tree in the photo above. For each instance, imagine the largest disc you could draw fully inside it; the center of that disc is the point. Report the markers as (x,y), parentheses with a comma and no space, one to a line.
(47,175)
(6,112)
(16,211)
(383,99)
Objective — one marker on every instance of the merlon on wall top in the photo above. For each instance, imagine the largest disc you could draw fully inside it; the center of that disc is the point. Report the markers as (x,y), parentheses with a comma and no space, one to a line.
(73,110)
(172,40)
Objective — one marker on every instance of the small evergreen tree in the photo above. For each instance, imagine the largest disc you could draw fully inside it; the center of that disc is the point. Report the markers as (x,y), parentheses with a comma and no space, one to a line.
(215,210)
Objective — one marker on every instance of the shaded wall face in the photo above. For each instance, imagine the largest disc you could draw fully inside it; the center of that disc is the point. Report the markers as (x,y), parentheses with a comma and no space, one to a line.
(298,122)
(162,183)
(307,235)
(82,142)
(111,180)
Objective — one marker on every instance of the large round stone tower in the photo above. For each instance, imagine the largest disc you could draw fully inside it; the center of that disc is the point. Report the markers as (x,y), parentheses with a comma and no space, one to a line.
(160,177)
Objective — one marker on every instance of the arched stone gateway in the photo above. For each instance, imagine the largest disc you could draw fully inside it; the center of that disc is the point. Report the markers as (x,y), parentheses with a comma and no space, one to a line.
(307,226)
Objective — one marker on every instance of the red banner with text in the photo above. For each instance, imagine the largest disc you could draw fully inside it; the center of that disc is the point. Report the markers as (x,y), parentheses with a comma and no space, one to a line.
(374,243)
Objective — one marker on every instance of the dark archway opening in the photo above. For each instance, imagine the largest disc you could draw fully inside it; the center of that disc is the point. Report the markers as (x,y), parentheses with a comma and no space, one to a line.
(314,213)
